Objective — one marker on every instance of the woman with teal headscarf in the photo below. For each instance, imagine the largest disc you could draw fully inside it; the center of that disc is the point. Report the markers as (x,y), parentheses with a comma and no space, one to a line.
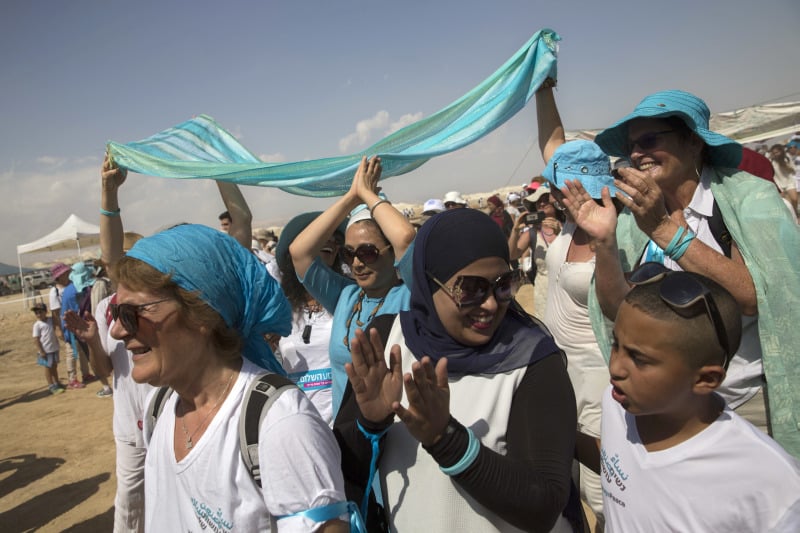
(193,307)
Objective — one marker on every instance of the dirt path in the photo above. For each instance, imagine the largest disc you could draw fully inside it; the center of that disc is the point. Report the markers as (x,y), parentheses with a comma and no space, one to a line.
(57,452)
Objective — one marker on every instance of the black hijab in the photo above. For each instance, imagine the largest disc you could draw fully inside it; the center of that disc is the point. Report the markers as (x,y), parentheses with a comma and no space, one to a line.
(446,243)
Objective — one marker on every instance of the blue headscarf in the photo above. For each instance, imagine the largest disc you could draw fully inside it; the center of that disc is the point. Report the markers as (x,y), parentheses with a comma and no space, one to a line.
(445,244)
(228,278)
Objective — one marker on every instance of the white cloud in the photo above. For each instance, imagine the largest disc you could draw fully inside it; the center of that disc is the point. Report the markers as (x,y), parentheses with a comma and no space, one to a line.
(51,161)
(364,129)
(277,157)
(405,120)
(373,128)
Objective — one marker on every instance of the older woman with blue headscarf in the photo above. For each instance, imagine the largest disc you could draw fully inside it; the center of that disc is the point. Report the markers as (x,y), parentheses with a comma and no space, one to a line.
(486,427)
(193,307)
(689,207)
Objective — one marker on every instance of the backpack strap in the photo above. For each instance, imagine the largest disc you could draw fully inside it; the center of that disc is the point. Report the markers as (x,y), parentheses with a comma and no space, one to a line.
(154,409)
(719,230)
(258,398)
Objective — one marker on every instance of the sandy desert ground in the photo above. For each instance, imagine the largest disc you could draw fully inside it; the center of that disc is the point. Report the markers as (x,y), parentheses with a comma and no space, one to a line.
(56,452)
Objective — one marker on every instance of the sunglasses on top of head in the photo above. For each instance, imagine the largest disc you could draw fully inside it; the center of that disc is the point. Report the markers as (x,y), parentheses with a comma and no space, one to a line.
(682,291)
(128,314)
(470,291)
(366,253)
(648,141)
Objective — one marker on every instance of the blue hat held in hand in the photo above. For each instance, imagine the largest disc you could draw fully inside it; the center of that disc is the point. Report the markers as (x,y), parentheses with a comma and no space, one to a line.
(581,161)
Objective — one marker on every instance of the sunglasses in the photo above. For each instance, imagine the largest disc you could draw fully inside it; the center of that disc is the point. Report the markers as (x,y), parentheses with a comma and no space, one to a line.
(128,314)
(366,253)
(682,291)
(648,141)
(470,291)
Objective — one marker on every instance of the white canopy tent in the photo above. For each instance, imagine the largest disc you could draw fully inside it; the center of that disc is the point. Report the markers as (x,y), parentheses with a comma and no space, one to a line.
(747,125)
(73,233)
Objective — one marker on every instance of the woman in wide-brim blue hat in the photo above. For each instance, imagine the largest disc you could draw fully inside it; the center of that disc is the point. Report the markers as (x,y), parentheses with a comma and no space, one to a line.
(688,207)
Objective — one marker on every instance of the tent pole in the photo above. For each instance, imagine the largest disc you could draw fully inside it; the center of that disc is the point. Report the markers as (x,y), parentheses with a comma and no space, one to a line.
(21,284)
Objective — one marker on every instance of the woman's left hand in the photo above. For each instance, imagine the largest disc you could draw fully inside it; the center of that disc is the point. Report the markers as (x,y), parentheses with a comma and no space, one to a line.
(428,395)
(643,197)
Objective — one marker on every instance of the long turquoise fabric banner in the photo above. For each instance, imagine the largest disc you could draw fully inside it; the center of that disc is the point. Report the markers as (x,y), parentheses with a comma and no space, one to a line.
(201,148)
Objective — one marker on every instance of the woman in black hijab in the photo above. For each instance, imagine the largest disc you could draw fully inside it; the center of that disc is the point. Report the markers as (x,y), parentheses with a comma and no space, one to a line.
(487,413)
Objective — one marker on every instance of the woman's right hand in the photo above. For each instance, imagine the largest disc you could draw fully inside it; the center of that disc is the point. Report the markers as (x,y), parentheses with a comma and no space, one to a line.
(376,387)
(84,328)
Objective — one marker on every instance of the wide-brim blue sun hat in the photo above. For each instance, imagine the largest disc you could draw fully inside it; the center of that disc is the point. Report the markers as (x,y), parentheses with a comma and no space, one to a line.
(723,151)
(582,161)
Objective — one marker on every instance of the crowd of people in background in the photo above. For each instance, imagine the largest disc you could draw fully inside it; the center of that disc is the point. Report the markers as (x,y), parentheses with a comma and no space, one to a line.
(653,371)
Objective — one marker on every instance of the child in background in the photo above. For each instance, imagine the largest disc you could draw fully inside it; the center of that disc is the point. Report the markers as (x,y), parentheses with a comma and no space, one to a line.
(44,337)
(674,456)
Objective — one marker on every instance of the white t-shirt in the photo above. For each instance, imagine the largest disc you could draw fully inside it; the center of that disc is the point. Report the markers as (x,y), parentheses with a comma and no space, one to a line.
(47,335)
(211,488)
(728,477)
(309,365)
(55,297)
(129,396)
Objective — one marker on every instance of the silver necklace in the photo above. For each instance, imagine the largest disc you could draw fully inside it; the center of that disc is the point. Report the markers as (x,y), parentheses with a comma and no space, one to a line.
(189,442)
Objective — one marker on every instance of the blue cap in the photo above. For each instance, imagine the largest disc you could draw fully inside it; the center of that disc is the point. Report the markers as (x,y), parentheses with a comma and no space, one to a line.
(723,151)
(583,161)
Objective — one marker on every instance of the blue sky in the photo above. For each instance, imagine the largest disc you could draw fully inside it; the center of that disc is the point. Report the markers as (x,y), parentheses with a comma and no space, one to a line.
(300,80)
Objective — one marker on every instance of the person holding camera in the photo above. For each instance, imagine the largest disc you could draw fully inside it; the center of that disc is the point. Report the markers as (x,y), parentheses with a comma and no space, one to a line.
(536,228)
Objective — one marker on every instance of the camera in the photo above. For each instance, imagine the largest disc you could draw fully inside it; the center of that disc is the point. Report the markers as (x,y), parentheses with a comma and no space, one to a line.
(534,218)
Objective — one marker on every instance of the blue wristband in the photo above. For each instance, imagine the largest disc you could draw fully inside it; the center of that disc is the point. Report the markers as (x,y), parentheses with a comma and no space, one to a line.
(374,439)
(469,457)
(670,249)
(332,511)
(109,213)
(681,248)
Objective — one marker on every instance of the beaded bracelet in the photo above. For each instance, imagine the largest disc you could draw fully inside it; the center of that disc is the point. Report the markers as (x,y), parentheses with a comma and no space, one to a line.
(109,213)
(469,457)
(376,204)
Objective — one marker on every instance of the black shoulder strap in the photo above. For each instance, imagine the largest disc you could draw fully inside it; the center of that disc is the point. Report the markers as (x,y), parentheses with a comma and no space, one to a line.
(719,230)
(382,323)
(155,407)
(259,397)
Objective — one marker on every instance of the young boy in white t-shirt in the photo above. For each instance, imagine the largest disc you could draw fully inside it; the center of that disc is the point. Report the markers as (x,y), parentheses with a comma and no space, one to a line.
(674,456)
(46,342)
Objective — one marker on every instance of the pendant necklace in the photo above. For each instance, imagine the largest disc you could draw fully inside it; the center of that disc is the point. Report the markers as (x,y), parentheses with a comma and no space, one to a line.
(357,311)
(189,442)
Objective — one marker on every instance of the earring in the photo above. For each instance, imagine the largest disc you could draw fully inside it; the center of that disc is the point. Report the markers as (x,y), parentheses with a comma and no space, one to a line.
(697,171)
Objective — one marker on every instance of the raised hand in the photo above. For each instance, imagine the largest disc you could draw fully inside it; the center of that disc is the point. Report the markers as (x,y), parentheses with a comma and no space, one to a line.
(84,328)
(113,176)
(376,386)
(643,197)
(428,395)
(366,179)
(598,221)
